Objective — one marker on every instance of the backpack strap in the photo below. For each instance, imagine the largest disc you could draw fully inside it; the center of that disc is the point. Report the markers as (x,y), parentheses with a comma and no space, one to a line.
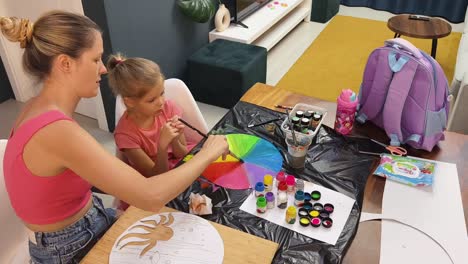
(397,95)
(404,45)
(376,98)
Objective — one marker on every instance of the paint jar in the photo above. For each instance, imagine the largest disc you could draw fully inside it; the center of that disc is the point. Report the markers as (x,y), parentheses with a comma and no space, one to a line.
(291,182)
(300,114)
(296,122)
(261,205)
(270,198)
(281,176)
(315,195)
(282,200)
(318,207)
(327,222)
(305,125)
(307,197)
(304,221)
(315,222)
(315,120)
(314,213)
(268,182)
(308,206)
(303,212)
(299,186)
(299,198)
(259,189)
(291,215)
(282,187)
(329,208)
(324,215)
(308,114)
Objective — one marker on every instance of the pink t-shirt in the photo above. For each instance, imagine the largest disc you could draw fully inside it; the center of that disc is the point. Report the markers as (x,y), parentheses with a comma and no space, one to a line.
(129,136)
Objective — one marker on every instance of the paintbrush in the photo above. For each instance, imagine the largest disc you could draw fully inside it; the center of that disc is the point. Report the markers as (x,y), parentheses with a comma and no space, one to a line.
(291,128)
(193,128)
(266,122)
(206,136)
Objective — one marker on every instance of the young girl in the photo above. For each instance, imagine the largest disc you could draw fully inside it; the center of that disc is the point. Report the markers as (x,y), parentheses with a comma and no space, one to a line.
(149,132)
(51,162)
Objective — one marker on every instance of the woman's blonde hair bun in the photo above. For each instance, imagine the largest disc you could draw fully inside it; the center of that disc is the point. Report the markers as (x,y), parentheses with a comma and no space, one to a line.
(17,29)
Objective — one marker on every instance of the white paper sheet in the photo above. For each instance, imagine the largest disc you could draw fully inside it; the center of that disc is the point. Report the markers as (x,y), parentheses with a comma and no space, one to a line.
(194,241)
(436,210)
(342,203)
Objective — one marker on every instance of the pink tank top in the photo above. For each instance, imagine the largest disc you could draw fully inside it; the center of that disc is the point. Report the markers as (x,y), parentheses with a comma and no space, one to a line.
(35,199)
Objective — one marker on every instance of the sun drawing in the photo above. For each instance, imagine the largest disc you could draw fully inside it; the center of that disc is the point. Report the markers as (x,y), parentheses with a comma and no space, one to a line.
(159,231)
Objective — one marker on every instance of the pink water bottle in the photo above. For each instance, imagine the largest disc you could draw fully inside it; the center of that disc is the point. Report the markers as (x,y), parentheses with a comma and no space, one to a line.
(345,112)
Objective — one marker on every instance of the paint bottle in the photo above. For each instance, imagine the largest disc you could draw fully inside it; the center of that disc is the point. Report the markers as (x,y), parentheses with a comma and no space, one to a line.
(300,114)
(299,198)
(282,187)
(291,215)
(308,114)
(315,195)
(270,198)
(305,122)
(300,185)
(282,200)
(282,196)
(291,182)
(296,122)
(315,120)
(347,103)
(259,189)
(281,176)
(261,205)
(268,182)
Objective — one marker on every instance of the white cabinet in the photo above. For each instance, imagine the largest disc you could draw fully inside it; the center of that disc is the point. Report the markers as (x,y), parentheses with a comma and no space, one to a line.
(268,25)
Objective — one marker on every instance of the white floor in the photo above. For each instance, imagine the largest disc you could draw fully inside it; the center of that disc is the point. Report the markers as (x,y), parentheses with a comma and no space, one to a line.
(280,59)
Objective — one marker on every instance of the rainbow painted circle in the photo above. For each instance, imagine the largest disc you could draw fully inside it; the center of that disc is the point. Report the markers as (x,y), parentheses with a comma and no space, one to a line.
(260,158)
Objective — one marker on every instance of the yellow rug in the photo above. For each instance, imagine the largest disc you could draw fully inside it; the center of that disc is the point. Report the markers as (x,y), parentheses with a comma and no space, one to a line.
(337,57)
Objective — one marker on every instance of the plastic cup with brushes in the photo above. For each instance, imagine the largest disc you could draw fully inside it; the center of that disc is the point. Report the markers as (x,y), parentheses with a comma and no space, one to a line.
(297,147)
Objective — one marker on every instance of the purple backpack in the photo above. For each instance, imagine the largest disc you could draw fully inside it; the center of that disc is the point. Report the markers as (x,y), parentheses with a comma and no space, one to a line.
(405,92)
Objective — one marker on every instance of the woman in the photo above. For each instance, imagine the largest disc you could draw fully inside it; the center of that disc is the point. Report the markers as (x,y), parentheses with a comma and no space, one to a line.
(50,162)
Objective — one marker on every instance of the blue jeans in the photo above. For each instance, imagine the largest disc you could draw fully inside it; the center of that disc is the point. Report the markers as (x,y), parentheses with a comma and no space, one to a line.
(71,244)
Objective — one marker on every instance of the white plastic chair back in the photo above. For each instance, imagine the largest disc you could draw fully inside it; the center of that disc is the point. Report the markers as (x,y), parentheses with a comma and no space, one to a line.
(14,241)
(177,91)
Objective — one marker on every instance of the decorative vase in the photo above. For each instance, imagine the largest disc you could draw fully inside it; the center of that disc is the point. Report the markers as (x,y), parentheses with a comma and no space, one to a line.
(222,18)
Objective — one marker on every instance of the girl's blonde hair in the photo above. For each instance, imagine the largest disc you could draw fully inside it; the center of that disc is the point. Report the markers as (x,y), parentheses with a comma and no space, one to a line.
(132,77)
(54,33)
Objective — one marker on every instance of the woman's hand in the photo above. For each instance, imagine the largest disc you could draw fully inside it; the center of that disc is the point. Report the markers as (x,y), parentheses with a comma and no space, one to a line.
(215,146)
(168,134)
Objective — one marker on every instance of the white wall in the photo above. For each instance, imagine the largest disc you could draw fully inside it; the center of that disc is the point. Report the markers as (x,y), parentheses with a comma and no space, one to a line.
(24,86)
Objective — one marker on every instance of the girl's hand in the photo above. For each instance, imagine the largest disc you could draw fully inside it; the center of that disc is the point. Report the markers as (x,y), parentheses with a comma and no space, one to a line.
(215,146)
(177,124)
(168,133)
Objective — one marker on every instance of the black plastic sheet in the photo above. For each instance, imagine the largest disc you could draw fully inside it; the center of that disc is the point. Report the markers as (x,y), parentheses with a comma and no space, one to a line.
(333,161)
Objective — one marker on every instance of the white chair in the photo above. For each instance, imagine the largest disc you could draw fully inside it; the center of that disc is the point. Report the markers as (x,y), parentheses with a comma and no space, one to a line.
(177,91)
(14,239)
(459,88)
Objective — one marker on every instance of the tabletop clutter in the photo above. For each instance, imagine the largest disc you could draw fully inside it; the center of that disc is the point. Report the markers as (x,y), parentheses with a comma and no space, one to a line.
(307,207)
